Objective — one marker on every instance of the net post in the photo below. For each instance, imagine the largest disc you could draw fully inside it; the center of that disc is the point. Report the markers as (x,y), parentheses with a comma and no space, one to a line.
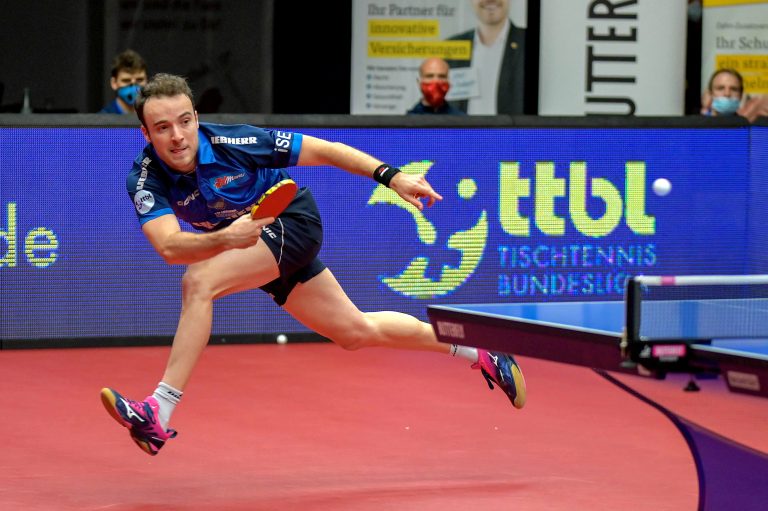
(631,334)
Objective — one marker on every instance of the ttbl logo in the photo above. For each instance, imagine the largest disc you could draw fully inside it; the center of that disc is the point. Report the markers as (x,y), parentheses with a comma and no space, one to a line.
(546,191)
(470,243)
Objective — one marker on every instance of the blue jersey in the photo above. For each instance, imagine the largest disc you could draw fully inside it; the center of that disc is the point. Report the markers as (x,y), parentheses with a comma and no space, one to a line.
(235,165)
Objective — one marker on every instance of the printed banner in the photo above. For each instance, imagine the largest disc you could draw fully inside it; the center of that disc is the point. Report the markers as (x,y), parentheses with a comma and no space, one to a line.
(528,215)
(735,36)
(391,39)
(601,57)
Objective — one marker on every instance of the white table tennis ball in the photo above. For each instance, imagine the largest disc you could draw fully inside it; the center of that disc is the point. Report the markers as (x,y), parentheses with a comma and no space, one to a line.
(281,339)
(662,187)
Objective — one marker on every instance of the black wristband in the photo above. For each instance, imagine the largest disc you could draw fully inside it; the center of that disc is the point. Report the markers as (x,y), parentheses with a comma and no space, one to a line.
(384,174)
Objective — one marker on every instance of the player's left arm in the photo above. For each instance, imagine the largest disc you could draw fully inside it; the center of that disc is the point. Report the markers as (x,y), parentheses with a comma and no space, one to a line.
(318,152)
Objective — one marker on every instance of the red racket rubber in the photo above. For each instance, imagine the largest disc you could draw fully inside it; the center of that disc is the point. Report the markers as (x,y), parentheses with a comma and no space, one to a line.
(275,200)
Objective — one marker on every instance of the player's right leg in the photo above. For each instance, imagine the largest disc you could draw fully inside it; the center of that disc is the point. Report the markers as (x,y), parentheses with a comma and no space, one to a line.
(229,272)
(140,417)
(203,282)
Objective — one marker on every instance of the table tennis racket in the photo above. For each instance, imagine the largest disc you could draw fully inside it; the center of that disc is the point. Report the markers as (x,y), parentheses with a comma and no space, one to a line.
(275,200)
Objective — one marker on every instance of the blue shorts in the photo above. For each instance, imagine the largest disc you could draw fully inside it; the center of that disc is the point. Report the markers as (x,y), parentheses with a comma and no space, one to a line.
(294,238)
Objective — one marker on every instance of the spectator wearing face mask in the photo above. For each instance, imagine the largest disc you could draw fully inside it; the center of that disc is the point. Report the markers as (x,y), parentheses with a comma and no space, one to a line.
(724,93)
(434,85)
(129,73)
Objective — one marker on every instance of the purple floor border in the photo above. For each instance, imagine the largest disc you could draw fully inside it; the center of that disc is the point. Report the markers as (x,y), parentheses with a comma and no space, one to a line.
(731,475)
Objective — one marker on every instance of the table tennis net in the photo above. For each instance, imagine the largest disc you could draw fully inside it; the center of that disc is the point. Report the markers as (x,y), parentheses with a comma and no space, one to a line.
(697,308)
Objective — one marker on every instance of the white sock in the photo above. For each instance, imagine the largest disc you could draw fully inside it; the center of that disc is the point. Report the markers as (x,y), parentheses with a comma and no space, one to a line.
(464,352)
(167,399)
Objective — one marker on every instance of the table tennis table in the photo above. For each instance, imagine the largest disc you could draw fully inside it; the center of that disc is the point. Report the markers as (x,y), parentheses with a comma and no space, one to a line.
(591,334)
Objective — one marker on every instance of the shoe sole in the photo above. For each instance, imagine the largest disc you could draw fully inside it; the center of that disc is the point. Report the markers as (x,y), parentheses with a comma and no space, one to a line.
(517,377)
(109,400)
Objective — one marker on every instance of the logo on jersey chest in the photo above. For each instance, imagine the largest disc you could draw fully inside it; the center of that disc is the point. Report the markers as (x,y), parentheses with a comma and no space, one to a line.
(221,182)
(235,140)
(189,198)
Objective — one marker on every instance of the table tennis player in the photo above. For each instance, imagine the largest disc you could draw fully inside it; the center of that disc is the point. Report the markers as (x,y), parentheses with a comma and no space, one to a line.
(209,176)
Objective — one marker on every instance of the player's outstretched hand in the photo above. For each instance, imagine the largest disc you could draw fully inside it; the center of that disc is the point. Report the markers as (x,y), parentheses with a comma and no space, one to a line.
(413,189)
(245,232)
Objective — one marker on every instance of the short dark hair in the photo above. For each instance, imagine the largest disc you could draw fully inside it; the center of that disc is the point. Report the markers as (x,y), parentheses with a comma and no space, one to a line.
(730,71)
(162,85)
(128,60)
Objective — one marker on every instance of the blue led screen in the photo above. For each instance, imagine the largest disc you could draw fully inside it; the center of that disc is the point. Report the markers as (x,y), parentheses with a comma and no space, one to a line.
(758,200)
(528,215)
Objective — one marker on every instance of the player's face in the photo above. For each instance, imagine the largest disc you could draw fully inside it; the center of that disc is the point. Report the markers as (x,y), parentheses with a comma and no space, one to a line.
(725,84)
(491,12)
(170,125)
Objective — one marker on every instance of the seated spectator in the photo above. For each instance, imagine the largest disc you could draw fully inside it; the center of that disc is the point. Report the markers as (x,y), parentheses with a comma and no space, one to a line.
(129,73)
(434,85)
(725,96)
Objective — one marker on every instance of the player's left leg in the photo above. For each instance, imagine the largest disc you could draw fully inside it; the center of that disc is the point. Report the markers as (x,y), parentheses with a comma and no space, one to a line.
(322,305)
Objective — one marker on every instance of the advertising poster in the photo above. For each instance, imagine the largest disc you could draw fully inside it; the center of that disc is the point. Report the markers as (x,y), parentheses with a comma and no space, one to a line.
(391,39)
(612,58)
(735,36)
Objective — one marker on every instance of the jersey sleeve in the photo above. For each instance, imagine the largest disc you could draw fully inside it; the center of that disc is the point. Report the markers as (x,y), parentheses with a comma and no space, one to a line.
(147,192)
(286,146)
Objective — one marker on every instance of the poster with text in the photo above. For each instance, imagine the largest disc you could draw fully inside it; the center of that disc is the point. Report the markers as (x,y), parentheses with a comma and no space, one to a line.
(612,58)
(391,39)
(735,36)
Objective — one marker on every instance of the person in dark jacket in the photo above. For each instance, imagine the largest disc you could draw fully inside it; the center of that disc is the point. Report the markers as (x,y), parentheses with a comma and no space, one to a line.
(498,56)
